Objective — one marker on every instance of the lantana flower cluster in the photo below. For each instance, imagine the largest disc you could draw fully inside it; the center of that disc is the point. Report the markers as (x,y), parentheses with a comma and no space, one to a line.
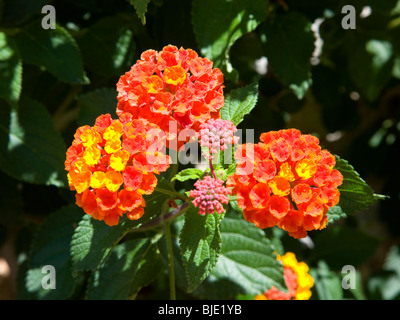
(286,180)
(174,88)
(113,164)
(298,281)
(209,195)
(216,135)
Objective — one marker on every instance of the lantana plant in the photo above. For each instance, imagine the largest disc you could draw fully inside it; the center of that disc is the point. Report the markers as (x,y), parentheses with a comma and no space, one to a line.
(207,218)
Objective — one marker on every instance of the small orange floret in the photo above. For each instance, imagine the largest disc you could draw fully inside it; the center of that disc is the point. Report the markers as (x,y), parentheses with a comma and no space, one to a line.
(136,213)
(301,193)
(264,170)
(153,84)
(129,200)
(279,186)
(175,75)
(286,180)
(278,206)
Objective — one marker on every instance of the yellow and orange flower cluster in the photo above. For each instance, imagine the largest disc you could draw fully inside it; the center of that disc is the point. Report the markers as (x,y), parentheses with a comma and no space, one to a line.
(286,180)
(113,164)
(298,281)
(174,88)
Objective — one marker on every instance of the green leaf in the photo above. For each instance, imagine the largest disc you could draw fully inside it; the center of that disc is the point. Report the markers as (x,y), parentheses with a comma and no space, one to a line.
(31,149)
(219,23)
(93,240)
(53,49)
(187,174)
(51,247)
(370,64)
(289,47)
(141,8)
(327,284)
(10,70)
(246,265)
(131,265)
(239,102)
(355,193)
(111,39)
(94,103)
(200,244)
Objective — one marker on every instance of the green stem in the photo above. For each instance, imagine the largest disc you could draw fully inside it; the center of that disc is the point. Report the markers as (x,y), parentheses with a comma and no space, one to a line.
(166,219)
(212,169)
(171,271)
(160,221)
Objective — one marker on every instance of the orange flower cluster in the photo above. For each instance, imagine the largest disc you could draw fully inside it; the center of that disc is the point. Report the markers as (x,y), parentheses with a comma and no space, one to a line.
(113,164)
(174,88)
(286,180)
(298,281)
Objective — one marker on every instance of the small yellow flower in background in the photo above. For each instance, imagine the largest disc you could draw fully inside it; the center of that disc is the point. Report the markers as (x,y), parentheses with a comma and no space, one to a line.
(297,279)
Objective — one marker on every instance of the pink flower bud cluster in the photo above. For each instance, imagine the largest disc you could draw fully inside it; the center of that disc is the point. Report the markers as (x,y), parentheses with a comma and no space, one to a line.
(209,195)
(216,135)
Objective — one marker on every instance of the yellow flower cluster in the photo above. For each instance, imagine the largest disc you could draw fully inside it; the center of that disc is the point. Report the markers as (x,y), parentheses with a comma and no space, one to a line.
(297,279)
(304,280)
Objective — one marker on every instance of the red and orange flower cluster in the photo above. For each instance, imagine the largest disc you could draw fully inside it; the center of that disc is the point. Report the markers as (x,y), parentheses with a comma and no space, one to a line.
(286,180)
(113,164)
(297,279)
(174,88)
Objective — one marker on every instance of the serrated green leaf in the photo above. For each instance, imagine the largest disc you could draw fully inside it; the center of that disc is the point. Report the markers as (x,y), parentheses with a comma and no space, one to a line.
(131,265)
(239,102)
(141,9)
(95,103)
(200,244)
(93,240)
(219,23)
(51,247)
(31,149)
(355,193)
(289,48)
(246,265)
(53,49)
(10,70)
(112,40)
(187,174)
